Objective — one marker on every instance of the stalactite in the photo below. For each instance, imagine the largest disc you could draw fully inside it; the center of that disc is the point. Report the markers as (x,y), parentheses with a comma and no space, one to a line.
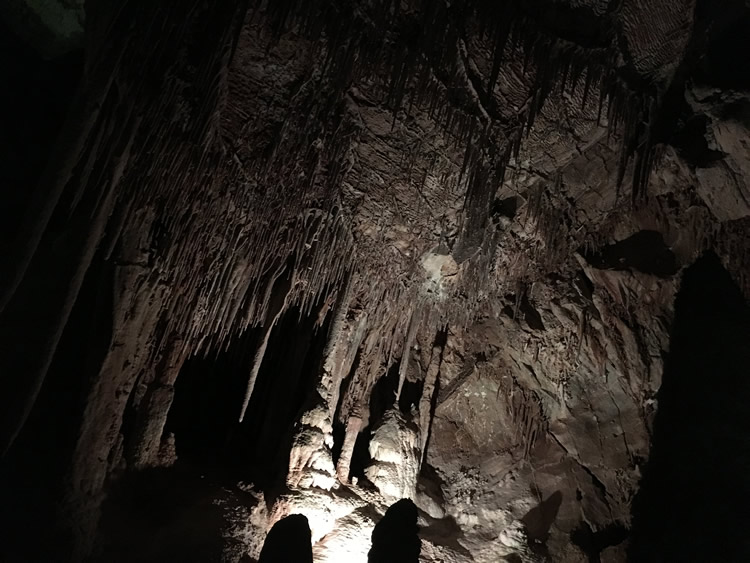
(220,277)
(340,372)
(406,353)
(272,314)
(432,45)
(428,391)
(332,360)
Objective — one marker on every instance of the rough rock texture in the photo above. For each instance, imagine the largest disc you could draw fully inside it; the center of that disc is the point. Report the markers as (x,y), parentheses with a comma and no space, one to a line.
(395,455)
(320,256)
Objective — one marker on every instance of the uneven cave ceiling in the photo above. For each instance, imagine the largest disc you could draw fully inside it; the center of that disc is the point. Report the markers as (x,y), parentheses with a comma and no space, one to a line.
(314,257)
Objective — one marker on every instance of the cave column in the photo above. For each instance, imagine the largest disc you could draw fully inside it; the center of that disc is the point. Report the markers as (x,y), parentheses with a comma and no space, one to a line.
(152,415)
(99,443)
(310,458)
(353,426)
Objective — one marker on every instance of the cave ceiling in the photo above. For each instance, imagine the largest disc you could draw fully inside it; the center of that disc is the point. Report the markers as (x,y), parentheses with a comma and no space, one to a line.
(366,250)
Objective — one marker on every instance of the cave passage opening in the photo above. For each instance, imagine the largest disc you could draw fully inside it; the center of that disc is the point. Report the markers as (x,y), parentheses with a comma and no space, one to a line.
(209,391)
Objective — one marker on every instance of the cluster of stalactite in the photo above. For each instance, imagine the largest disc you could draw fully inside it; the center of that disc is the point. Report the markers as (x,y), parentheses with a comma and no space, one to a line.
(421,44)
(208,241)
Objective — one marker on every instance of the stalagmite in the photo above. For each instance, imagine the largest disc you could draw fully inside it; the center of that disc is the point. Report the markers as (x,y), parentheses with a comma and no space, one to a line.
(353,426)
(394,450)
(311,446)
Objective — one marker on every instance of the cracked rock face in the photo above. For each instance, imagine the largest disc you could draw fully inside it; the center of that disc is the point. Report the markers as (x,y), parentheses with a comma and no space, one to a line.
(330,255)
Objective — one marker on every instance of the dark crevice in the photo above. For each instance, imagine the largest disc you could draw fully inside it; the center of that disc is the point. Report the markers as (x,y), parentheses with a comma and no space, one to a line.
(31,476)
(578,24)
(717,55)
(441,339)
(505,207)
(411,393)
(601,487)
(530,314)
(692,143)
(208,396)
(645,251)
(31,116)
(361,456)
(539,520)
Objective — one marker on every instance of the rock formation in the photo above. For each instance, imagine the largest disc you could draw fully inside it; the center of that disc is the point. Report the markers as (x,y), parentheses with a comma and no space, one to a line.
(282,257)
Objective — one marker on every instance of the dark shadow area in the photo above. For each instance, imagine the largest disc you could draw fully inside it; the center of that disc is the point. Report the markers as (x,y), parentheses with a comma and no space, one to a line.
(34,100)
(431,484)
(35,97)
(505,207)
(289,541)
(208,397)
(726,60)
(209,393)
(645,251)
(530,314)
(445,532)
(411,393)
(695,493)
(31,475)
(691,139)
(593,543)
(161,515)
(441,339)
(395,538)
(539,519)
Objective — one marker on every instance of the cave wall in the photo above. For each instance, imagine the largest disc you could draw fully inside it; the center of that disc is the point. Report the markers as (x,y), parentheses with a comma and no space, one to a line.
(475,214)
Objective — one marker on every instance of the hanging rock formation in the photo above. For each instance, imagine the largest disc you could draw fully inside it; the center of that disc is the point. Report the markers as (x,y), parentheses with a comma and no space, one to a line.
(312,257)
